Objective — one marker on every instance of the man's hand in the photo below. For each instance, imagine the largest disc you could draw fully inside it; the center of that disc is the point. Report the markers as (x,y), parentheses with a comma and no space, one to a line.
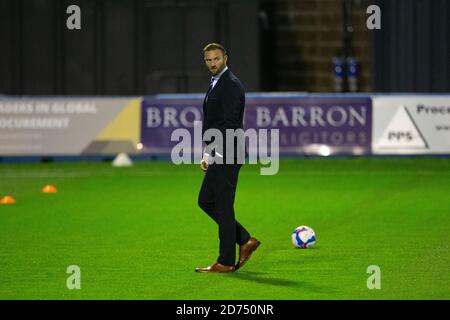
(204,162)
(203,165)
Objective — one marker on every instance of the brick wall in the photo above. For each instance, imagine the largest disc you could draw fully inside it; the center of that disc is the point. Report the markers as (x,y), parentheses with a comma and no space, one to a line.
(308,36)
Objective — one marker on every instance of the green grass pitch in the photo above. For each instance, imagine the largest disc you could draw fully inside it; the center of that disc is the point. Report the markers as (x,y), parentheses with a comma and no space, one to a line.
(137,233)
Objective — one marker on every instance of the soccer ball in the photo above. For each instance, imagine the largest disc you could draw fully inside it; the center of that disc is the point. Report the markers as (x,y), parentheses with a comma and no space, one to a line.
(303,237)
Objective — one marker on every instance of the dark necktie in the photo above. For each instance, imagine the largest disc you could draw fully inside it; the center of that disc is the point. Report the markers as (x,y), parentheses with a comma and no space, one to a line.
(210,87)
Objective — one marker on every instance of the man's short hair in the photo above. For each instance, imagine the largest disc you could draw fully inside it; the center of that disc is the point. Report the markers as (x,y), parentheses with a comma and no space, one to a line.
(215,46)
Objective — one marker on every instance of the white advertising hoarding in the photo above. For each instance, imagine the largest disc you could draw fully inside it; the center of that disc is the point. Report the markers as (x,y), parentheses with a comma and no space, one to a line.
(411,124)
(68,126)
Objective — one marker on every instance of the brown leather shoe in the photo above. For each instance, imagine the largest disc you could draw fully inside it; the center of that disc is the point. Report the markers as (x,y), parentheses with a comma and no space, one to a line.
(246,250)
(216,267)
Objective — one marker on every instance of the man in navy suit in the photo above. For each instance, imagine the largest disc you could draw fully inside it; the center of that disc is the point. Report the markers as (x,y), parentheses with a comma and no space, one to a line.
(223,108)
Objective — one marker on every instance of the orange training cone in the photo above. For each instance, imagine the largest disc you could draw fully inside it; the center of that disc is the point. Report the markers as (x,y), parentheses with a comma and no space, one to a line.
(49,189)
(7,200)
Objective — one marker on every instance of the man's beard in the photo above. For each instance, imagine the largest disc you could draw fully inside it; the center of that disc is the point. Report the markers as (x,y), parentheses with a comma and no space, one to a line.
(216,71)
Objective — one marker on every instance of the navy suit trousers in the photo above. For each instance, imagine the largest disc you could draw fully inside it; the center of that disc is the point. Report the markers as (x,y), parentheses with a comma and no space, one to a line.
(216,198)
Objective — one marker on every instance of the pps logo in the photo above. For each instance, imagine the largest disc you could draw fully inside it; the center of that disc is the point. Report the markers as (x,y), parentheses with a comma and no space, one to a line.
(400,136)
(402,132)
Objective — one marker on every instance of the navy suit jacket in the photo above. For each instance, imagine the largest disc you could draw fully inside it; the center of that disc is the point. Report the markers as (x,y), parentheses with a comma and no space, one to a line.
(223,109)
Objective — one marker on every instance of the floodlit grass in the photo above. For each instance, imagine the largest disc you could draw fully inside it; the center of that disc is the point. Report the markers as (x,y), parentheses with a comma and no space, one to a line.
(137,233)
